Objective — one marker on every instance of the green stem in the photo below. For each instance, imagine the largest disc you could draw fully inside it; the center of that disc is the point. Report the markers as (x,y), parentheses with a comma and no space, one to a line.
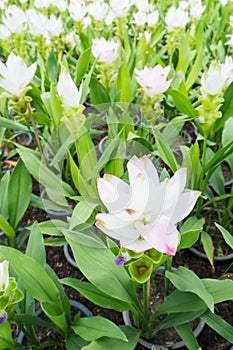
(36,134)
(201,181)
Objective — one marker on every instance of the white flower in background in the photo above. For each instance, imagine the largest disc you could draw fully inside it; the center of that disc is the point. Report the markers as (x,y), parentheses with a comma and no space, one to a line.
(15,76)
(146,34)
(42,4)
(55,26)
(4,32)
(4,276)
(67,89)
(72,38)
(14,19)
(3,4)
(140,19)
(176,18)
(109,18)
(184,5)
(231,21)
(153,19)
(38,23)
(230,41)
(120,8)
(77,10)
(86,22)
(23,1)
(153,80)
(98,10)
(142,5)
(215,79)
(105,51)
(61,5)
(196,9)
(143,214)
(228,68)
(224,2)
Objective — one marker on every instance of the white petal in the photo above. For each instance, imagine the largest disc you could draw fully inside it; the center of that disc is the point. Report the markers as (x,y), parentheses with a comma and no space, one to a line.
(114,193)
(185,204)
(174,187)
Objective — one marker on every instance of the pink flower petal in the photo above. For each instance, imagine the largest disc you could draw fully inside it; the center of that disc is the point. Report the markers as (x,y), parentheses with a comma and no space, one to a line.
(163,236)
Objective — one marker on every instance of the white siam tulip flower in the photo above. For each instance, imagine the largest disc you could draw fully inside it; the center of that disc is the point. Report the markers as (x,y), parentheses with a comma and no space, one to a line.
(142,5)
(4,276)
(196,10)
(86,22)
(153,19)
(55,26)
(4,32)
(38,23)
(61,5)
(140,19)
(15,76)
(176,18)
(230,40)
(15,19)
(67,89)
(77,10)
(120,8)
(98,10)
(109,18)
(146,34)
(153,80)
(143,214)
(42,4)
(215,79)
(105,51)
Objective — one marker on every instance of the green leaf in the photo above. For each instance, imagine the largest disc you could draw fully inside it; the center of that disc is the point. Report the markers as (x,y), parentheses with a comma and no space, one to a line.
(19,198)
(4,183)
(6,340)
(123,85)
(181,302)
(35,246)
(9,231)
(187,281)
(80,214)
(82,65)
(190,231)
(31,274)
(173,320)
(221,290)
(187,336)
(74,342)
(226,138)
(92,328)
(219,325)
(226,235)
(195,70)
(182,103)
(12,125)
(115,344)
(165,152)
(111,279)
(208,246)
(99,95)
(96,296)
(54,185)
(52,68)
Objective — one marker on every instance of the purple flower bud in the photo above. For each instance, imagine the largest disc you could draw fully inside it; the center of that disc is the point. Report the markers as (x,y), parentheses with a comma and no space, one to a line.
(3,316)
(200,119)
(120,260)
